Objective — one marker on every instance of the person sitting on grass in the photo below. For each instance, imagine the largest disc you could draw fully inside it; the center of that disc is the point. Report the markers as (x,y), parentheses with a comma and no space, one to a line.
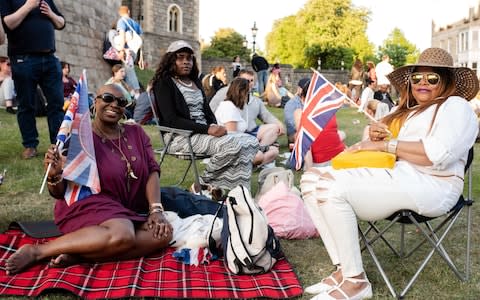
(229,114)
(269,130)
(125,220)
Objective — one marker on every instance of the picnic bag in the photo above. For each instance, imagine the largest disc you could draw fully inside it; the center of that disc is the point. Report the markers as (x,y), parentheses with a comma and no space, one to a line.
(286,213)
(110,53)
(267,178)
(249,243)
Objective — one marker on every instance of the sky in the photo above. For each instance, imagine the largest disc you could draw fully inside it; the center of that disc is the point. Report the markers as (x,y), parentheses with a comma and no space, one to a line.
(413,17)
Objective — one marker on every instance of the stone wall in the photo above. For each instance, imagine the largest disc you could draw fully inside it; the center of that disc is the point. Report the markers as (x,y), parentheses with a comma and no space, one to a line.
(81,41)
(290,75)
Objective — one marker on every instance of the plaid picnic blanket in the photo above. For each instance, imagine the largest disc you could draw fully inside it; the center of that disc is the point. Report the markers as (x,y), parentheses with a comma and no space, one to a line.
(159,275)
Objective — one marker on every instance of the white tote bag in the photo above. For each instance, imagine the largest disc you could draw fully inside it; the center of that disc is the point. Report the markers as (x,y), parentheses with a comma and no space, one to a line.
(133,39)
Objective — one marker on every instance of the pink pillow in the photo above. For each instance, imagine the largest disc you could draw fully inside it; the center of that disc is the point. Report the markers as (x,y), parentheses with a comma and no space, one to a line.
(286,213)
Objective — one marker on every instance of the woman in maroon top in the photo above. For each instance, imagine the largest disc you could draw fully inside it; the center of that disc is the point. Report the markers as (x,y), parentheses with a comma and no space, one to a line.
(125,220)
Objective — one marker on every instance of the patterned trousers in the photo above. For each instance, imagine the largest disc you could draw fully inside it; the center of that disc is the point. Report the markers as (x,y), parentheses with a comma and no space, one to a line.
(231,157)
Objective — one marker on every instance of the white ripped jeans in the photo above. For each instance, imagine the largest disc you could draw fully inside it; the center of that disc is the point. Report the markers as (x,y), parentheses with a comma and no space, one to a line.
(335,198)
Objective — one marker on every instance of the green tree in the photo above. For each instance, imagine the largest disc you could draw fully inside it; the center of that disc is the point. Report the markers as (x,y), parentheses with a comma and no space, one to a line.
(399,49)
(226,43)
(332,30)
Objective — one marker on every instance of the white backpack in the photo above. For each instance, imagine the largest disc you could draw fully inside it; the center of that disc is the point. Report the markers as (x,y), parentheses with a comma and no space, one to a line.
(249,243)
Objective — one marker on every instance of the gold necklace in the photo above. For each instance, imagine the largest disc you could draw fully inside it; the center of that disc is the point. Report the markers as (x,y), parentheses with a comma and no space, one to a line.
(190,84)
(130,174)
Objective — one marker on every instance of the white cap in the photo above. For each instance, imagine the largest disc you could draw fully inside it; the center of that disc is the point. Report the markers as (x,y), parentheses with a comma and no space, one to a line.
(177,45)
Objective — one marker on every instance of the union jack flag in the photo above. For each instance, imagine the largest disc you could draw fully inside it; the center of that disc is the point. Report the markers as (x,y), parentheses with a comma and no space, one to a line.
(321,103)
(81,166)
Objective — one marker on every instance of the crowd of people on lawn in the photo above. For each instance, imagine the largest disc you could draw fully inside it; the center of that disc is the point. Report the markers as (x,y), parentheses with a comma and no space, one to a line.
(429,129)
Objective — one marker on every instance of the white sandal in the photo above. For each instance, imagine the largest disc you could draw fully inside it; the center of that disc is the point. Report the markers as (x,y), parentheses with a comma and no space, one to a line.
(321,287)
(363,294)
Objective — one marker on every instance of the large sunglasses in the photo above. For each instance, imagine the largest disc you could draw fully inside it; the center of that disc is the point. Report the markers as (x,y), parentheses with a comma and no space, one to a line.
(109,98)
(431,78)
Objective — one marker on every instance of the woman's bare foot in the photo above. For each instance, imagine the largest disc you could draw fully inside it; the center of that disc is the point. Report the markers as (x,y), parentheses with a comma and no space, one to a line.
(356,287)
(64,260)
(326,284)
(25,256)
(337,276)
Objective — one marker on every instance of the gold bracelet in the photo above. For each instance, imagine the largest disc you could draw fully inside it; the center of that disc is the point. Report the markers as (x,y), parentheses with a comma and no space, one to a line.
(155,210)
(54,183)
(156,206)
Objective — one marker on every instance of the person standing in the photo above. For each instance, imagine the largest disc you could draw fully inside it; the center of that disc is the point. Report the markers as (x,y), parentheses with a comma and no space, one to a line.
(125,26)
(30,27)
(260,65)
(236,66)
(382,69)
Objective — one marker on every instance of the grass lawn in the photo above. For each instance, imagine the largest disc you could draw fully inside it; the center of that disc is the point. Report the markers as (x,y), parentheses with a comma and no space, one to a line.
(20,200)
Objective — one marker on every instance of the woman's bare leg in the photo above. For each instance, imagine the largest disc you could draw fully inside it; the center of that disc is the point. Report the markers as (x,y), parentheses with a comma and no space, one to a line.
(108,241)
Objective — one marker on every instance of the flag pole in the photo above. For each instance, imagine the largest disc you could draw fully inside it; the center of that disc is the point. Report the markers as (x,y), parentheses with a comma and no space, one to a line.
(48,170)
(349,99)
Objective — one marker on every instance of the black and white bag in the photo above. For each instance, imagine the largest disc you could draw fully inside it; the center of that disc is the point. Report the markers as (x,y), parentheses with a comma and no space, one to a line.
(249,243)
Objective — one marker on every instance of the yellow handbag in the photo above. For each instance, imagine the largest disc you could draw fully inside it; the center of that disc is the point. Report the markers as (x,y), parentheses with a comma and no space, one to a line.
(364,159)
(367,159)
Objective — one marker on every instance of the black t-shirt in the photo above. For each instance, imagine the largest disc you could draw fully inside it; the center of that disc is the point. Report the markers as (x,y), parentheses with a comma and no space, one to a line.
(259,63)
(35,34)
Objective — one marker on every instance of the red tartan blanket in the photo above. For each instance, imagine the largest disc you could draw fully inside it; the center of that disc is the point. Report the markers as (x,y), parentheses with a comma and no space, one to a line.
(156,276)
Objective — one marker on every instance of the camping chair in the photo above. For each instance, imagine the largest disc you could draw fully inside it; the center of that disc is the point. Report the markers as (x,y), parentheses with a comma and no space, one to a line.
(426,232)
(167,134)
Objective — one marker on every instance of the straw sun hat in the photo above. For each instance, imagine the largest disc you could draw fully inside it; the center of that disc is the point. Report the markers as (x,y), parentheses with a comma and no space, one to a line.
(465,79)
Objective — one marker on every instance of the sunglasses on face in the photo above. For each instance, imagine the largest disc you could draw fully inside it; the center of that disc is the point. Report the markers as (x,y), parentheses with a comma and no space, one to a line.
(109,98)
(430,78)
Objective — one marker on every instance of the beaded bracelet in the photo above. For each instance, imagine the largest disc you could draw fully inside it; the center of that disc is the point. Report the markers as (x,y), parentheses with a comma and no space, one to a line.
(54,183)
(155,210)
(156,207)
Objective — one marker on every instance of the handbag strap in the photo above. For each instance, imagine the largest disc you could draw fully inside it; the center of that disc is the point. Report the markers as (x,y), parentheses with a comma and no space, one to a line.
(128,24)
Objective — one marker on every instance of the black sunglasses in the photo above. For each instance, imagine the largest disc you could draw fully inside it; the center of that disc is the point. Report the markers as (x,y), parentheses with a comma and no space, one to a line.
(109,98)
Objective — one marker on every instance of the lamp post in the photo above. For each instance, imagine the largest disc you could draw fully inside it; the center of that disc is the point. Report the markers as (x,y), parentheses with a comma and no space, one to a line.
(254,35)
(245,42)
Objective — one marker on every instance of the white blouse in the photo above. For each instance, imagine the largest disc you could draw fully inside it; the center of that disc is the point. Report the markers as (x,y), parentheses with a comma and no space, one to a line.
(449,139)
(228,112)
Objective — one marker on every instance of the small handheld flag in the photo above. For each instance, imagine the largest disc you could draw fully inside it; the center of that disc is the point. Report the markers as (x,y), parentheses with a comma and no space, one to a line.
(322,101)
(81,167)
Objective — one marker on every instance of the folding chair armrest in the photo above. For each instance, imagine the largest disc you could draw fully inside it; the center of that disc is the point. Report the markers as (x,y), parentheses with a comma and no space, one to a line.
(182,132)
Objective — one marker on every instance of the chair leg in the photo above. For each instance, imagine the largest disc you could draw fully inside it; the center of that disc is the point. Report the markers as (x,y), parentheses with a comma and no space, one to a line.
(377,263)
(185,174)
